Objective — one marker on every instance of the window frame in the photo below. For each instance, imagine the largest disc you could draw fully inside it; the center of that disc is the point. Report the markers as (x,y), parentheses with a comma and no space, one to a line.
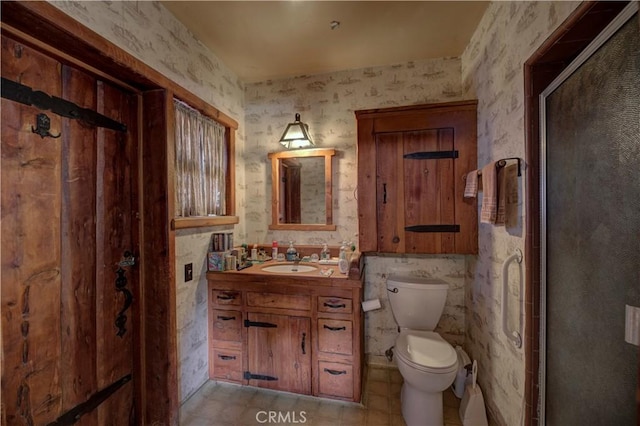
(230,126)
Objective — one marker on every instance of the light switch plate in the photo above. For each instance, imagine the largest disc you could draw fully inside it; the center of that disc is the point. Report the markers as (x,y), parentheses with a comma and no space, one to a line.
(632,325)
(188,272)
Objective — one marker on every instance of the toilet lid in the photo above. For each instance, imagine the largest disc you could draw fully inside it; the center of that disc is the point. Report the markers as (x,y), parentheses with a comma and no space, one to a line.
(426,350)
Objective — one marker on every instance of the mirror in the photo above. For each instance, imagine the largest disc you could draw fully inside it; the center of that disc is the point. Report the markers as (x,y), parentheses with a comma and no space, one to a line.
(301,190)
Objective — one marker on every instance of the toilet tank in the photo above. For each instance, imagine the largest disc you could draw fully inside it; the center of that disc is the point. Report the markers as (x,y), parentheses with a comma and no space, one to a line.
(416,302)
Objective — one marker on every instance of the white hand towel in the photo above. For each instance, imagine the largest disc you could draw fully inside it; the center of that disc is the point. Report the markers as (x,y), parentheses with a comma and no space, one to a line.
(489,194)
(471,185)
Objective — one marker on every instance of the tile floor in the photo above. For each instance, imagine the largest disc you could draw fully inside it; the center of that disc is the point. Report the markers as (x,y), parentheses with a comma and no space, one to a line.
(225,404)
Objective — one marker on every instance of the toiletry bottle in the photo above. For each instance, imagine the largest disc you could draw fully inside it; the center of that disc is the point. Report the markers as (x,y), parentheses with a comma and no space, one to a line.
(292,254)
(254,252)
(343,262)
(274,250)
(343,251)
(325,254)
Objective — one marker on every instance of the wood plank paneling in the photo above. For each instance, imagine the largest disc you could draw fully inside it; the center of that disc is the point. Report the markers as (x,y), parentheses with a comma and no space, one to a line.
(426,200)
(117,206)
(78,298)
(390,189)
(31,253)
(367,235)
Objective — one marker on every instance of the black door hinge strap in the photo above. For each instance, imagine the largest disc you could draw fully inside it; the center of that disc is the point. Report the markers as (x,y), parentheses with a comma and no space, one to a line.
(248,323)
(26,95)
(248,376)
(73,415)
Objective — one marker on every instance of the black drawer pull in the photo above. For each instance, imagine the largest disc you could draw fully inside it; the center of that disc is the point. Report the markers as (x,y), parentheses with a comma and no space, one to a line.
(226,357)
(335,372)
(335,306)
(334,328)
(226,296)
(222,318)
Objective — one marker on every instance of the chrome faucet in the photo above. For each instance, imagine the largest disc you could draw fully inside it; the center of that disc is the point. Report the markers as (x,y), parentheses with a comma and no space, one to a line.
(296,262)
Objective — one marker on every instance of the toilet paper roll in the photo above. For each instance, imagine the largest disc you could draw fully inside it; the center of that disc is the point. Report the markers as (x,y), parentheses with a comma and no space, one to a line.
(370,305)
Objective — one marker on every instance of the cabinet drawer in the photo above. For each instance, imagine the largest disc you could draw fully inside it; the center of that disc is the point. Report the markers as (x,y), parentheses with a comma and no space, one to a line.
(227,325)
(335,379)
(335,336)
(226,298)
(227,364)
(277,300)
(334,304)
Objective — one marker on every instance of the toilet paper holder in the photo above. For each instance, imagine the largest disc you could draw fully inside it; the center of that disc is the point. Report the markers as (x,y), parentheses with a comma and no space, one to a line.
(370,305)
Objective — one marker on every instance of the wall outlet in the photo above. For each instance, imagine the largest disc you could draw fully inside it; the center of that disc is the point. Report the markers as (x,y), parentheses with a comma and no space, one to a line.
(188,272)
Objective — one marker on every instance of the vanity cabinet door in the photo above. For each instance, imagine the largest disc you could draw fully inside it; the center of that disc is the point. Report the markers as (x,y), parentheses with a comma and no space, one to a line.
(335,379)
(279,352)
(227,325)
(334,305)
(335,336)
(226,298)
(227,364)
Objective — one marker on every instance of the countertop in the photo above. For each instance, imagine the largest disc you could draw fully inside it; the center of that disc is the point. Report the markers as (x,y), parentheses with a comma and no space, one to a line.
(355,270)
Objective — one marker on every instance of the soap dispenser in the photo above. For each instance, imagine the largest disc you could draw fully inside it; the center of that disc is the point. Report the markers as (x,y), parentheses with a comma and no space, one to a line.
(292,254)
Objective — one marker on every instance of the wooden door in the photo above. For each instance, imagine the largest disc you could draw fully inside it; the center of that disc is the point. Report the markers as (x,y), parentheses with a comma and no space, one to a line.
(279,352)
(414,191)
(411,167)
(68,216)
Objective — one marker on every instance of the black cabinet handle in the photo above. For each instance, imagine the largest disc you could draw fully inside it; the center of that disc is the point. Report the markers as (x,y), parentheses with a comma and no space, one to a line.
(334,328)
(335,372)
(304,337)
(222,318)
(384,193)
(226,296)
(226,357)
(335,306)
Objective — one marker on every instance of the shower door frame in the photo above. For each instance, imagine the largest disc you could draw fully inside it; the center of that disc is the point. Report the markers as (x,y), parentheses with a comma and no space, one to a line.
(621,19)
(570,37)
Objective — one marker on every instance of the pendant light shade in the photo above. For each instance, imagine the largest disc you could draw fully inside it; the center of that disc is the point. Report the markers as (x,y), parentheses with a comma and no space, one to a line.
(296,135)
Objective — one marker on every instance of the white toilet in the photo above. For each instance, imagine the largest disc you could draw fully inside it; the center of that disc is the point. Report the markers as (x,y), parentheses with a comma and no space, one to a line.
(428,363)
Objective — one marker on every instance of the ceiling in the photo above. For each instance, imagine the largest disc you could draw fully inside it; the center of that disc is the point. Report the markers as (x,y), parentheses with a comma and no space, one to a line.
(269,40)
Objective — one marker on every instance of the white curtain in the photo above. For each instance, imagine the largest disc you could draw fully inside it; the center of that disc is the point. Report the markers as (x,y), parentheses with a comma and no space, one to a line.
(201,164)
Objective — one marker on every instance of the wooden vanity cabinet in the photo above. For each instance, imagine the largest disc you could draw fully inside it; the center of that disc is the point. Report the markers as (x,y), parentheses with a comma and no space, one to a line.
(301,335)
(412,164)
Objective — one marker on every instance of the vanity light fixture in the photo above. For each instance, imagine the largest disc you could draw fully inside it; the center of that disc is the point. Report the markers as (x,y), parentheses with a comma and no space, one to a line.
(296,135)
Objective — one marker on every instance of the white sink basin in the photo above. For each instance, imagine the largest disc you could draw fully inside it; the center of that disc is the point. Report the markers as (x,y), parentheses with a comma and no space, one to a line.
(289,269)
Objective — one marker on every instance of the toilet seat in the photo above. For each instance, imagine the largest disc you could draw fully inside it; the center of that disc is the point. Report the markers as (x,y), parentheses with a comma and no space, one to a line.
(426,351)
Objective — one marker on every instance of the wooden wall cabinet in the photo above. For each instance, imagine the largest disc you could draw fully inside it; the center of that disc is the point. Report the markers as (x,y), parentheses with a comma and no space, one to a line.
(295,334)
(412,164)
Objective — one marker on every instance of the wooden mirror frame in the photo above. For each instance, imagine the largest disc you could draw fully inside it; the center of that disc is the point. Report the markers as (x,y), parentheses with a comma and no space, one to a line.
(275,189)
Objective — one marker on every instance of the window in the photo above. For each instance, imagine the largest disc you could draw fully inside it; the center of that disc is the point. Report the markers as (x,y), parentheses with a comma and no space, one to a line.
(201,164)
